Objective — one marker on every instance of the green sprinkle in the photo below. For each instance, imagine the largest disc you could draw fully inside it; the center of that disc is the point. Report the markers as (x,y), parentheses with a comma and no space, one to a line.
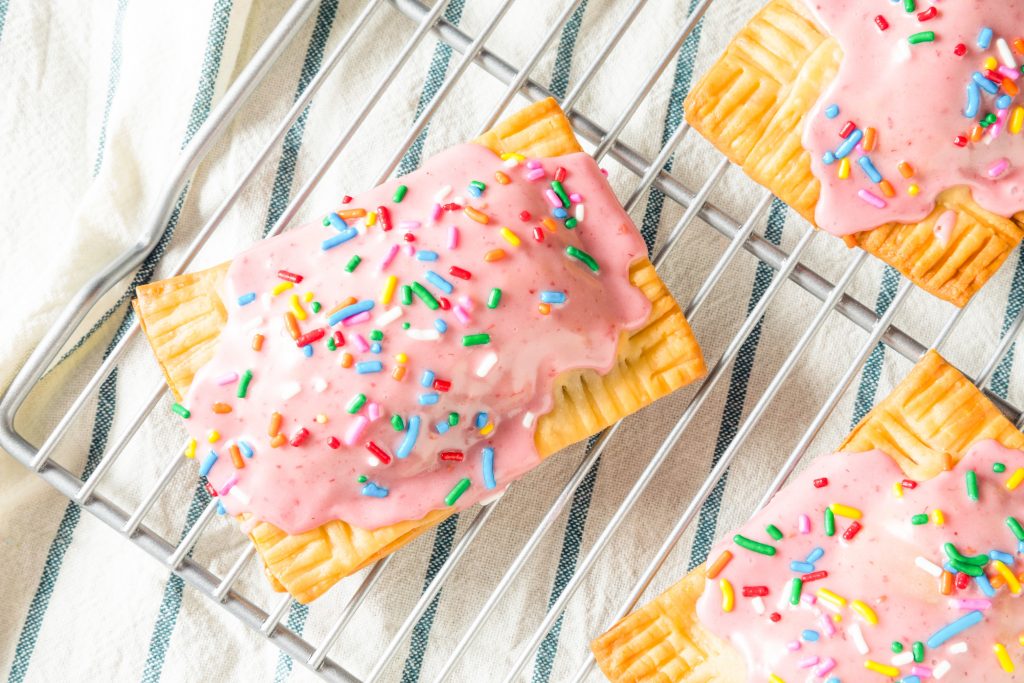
(494,299)
(362,479)
(972,485)
(896,646)
(990,118)
(909,5)
(402,189)
(428,298)
(181,410)
(476,339)
(918,649)
(353,263)
(315,306)
(774,532)
(1015,527)
(922,37)
(331,345)
(478,185)
(560,191)
(795,589)
(753,546)
(355,404)
(397,423)
(406,325)
(376,335)
(969,569)
(457,492)
(327,221)
(919,519)
(830,522)
(406,295)
(571,223)
(453,419)
(954,554)
(998,467)
(243,384)
(584,257)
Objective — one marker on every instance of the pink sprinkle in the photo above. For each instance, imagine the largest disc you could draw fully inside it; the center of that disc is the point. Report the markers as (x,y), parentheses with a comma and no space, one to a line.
(825,667)
(462,314)
(228,485)
(453,237)
(805,524)
(944,227)
(360,343)
(552,198)
(604,171)
(356,319)
(410,250)
(793,645)
(922,671)
(827,626)
(467,302)
(408,225)
(227,378)
(998,168)
(355,430)
(808,599)
(532,163)
(435,213)
(807,662)
(872,199)
(971,603)
(373,410)
(535,174)
(389,257)
(1012,74)
(576,198)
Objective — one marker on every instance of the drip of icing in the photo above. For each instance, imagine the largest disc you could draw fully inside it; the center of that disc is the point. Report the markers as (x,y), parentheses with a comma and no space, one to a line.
(508,375)
(888,565)
(915,97)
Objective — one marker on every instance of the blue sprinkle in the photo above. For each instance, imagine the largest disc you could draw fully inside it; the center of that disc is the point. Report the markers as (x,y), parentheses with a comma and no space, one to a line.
(816,555)
(245,448)
(412,433)
(247,299)
(985,38)
(869,168)
(221,510)
(1005,558)
(474,190)
(337,222)
(442,427)
(429,398)
(374,491)
(801,567)
(207,464)
(440,325)
(953,629)
(949,568)
(849,143)
(809,635)
(985,586)
(368,366)
(427,380)
(480,420)
(1020,548)
(426,255)
(488,465)
(439,282)
(832,111)
(911,679)
(1003,102)
(375,347)
(308,350)
(552,297)
(829,158)
(559,213)
(973,100)
(349,311)
(985,84)
(340,238)
(833,679)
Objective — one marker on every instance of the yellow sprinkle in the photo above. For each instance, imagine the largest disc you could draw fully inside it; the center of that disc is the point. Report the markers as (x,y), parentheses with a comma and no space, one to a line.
(1011,580)
(1020,640)
(297,308)
(837,618)
(938,517)
(1004,657)
(845,511)
(389,289)
(321,418)
(775,679)
(1017,120)
(913,190)
(307,297)
(401,358)
(510,237)
(830,597)
(864,612)
(512,156)
(1015,481)
(728,596)
(844,168)
(884,669)
(488,428)
(991,63)
(897,489)
(281,287)
(190,450)
(371,218)
(214,436)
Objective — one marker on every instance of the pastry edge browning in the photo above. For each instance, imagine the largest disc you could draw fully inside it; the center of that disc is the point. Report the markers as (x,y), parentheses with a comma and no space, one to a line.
(926,425)
(751,105)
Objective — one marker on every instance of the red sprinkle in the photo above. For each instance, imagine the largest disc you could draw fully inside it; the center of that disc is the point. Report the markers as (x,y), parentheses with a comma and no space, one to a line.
(814,576)
(994,76)
(385,218)
(451,206)
(909,484)
(209,489)
(339,338)
(290,277)
(881,23)
(852,531)
(445,304)
(310,337)
(346,199)
(821,483)
(960,50)
(454,456)
(378,451)
(299,437)
(755,591)
(409,237)
(460,273)
(442,384)
(847,128)
(775,616)
(524,215)
(559,174)
(960,141)
(962,580)
(927,14)
(538,234)
(333,442)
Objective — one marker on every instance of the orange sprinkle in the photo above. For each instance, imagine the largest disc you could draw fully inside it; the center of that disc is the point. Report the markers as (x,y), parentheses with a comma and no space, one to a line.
(478,216)
(257,342)
(549,223)
(292,324)
(346,360)
(1010,87)
(716,567)
(544,308)
(236,457)
(997,581)
(886,187)
(906,170)
(501,178)
(398,373)
(494,255)
(221,408)
(352,213)
(976,133)
(278,441)
(946,583)
(1018,45)
(275,424)
(870,137)
(349,300)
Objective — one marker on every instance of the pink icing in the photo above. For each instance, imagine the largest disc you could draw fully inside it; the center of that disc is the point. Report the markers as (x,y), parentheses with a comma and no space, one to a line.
(915,97)
(511,378)
(878,566)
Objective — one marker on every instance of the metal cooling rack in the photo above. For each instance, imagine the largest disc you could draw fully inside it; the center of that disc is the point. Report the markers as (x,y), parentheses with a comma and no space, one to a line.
(650,173)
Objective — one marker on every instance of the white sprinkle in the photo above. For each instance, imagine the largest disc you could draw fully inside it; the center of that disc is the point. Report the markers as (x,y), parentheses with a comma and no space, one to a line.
(528,419)
(858,639)
(928,566)
(902,658)
(389,316)
(319,385)
(373,462)
(290,389)
(241,495)
(758,604)
(958,648)
(423,335)
(460,200)
(442,193)
(1004,54)
(511,162)
(487,364)
(579,213)
(941,669)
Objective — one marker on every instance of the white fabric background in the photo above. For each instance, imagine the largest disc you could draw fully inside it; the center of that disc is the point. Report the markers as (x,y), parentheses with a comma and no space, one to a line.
(89,132)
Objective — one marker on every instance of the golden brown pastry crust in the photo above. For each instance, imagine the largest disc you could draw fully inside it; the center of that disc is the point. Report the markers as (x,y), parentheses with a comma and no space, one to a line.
(752,105)
(182,318)
(926,425)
